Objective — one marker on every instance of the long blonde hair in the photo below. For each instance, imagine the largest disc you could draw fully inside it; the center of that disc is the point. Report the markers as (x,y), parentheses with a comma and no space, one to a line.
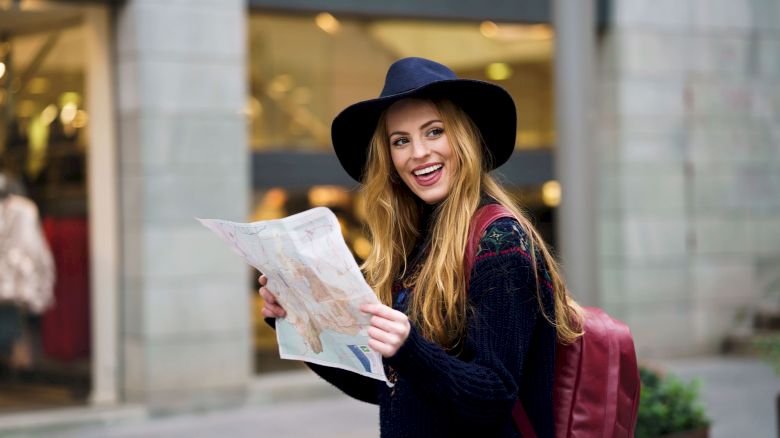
(440,312)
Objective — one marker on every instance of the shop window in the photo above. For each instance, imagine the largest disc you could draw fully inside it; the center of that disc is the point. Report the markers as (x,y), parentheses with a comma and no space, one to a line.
(45,349)
(304,69)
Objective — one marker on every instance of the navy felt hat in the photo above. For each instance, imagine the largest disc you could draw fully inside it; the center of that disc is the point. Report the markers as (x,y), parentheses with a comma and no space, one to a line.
(489,106)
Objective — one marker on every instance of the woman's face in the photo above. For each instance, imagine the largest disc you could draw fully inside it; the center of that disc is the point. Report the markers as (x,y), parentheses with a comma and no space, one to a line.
(420,150)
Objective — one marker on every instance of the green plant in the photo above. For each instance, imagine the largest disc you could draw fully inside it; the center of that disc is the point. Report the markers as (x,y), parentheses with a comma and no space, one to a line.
(668,405)
(768,346)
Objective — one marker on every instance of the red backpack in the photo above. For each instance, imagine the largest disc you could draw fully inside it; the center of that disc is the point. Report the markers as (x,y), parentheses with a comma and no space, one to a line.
(596,382)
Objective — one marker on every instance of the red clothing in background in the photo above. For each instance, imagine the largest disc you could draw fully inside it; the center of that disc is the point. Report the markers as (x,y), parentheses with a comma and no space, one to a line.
(65,328)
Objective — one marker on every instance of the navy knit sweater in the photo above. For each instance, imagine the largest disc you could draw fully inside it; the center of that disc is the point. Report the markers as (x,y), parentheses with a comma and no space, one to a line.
(508,352)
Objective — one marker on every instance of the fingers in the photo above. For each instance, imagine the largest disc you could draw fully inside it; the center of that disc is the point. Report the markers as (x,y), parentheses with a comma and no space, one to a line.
(267,313)
(384,349)
(389,325)
(383,311)
(267,295)
(389,329)
(271,307)
(391,338)
(273,310)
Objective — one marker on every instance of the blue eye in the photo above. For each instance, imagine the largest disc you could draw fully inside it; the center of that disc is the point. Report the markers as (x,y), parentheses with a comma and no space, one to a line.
(435,132)
(400,141)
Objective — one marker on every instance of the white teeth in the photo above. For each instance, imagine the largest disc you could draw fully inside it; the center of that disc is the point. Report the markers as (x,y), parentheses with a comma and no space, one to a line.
(428,169)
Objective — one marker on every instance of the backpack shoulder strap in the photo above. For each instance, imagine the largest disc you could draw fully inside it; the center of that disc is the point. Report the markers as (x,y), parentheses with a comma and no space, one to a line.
(481,220)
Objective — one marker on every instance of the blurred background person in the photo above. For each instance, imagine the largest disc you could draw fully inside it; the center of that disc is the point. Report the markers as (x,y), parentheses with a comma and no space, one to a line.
(26,274)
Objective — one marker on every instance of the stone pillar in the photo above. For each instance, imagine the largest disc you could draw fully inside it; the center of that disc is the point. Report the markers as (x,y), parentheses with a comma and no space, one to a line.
(690,162)
(185,337)
(575,157)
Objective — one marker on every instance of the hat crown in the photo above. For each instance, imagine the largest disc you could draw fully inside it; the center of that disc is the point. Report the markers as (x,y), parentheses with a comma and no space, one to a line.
(410,73)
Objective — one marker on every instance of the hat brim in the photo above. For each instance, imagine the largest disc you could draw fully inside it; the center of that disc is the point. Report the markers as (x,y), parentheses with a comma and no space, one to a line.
(489,106)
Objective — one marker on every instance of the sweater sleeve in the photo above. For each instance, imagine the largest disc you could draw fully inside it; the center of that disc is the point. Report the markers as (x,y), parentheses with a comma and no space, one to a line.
(482,387)
(354,385)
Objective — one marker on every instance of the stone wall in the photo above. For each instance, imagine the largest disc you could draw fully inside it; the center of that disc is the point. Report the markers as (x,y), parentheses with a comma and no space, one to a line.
(689,134)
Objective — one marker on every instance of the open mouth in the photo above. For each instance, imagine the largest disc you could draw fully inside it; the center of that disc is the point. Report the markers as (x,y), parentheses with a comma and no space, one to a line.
(428,175)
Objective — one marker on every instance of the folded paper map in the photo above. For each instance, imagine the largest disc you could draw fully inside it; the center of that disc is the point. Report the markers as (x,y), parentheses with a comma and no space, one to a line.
(318,283)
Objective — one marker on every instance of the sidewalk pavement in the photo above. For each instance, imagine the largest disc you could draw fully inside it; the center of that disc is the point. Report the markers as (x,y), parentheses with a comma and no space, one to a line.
(739,394)
(337,416)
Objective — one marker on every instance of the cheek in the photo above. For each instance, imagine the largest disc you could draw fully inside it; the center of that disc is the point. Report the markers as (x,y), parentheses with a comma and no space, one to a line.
(396,156)
(445,151)
(443,148)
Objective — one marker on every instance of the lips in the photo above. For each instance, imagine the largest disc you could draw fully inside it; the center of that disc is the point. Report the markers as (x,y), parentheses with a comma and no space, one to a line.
(427,174)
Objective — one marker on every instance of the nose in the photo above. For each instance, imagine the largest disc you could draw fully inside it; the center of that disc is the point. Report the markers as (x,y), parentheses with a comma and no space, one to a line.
(420,149)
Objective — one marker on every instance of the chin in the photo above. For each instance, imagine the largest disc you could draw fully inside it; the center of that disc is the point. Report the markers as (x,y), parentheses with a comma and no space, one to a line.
(433,197)
(432,194)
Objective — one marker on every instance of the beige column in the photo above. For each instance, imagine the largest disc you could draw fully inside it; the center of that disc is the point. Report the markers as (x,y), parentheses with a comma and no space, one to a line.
(575,161)
(182,86)
(103,206)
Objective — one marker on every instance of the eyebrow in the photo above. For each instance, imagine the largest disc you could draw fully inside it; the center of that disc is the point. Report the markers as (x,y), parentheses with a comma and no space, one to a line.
(423,126)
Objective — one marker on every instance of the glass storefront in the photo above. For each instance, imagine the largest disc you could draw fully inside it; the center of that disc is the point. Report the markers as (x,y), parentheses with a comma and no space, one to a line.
(305,68)
(45,354)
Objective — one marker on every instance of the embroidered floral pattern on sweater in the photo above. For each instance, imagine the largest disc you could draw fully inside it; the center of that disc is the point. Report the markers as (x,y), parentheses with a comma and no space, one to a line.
(505,235)
(501,235)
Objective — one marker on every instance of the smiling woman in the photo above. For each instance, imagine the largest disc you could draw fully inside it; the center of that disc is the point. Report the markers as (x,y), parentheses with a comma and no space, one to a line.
(474,342)
(304,68)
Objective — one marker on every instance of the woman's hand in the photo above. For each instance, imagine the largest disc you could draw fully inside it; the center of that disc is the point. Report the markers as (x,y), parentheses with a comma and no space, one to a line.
(389,329)
(271,307)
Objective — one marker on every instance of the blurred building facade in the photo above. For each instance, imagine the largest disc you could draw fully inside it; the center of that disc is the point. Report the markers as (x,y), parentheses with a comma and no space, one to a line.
(689,142)
(222,109)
